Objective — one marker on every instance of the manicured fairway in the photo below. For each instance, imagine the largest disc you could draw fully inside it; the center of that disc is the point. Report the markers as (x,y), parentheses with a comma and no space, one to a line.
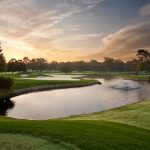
(26,83)
(125,128)
(87,135)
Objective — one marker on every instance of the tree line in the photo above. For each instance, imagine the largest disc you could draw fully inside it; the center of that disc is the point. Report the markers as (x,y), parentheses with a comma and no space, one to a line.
(141,63)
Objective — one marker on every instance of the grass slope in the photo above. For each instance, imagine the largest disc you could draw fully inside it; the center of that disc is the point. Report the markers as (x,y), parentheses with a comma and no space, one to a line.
(136,114)
(92,133)
(87,135)
(24,142)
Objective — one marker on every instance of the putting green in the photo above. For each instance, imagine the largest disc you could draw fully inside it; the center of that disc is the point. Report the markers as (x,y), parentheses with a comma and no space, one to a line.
(24,142)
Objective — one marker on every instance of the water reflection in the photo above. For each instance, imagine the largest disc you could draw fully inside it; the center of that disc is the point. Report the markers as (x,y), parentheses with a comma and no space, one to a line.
(75,101)
(126,85)
(5,105)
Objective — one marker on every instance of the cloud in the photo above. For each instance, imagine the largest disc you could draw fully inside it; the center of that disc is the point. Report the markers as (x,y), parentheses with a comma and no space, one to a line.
(81,37)
(91,3)
(37,28)
(19,18)
(31,30)
(145,10)
(124,43)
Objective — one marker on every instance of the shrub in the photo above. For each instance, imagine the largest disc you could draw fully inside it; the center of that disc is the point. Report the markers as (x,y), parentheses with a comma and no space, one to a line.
(6,83)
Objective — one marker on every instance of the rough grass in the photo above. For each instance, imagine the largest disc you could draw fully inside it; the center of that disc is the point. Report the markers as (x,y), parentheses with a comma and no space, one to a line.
(136,114)
(24,142)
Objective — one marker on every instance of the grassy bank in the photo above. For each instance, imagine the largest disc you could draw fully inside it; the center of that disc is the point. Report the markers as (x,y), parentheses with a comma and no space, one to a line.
(124,128)
(110,130)
(87,135)
(26,83)
(136,114)
(20,83)
(144,77)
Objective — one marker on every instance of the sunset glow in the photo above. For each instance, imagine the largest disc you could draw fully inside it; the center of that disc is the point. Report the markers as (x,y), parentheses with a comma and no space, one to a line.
(69,30)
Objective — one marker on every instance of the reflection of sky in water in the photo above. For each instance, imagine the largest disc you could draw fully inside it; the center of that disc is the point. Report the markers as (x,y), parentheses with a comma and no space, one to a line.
(74,101)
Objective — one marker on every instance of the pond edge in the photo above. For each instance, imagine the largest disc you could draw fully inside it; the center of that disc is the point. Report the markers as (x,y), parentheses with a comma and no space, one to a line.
(50,87)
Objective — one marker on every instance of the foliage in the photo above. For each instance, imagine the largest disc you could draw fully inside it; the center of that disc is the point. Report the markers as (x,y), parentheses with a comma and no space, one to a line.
(108,63)
(6,83)
(38,64)
(2,60)
(66,67)
(16,65)
(143,55)
(142,63)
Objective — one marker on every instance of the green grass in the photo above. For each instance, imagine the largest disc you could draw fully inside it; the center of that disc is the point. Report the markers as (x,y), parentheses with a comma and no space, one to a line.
(24,142)
(124,128)
(110,130)
(136,114)
(86,135)
(140,77)
(20,83)
(121,74)
(26,83)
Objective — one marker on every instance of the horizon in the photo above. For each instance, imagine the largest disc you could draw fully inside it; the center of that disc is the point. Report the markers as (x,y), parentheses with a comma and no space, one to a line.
(74,30)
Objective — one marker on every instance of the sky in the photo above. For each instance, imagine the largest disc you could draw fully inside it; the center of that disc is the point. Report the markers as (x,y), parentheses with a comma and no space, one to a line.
(70,30)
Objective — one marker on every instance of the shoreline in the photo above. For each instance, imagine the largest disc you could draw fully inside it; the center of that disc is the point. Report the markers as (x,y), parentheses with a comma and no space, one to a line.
(113,77)
(50,87)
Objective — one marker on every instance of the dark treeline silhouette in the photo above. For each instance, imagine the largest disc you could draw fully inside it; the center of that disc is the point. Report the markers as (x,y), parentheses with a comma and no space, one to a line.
(142,63)
(108,65)
(2,60)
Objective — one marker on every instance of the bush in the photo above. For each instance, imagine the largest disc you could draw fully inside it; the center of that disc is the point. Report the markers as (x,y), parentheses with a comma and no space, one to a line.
(6,83)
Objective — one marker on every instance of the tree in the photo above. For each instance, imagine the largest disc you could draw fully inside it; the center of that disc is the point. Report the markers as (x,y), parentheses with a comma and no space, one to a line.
(136,66)
(38,64)
(26,61)
(12,65)
(143,55)
(2,60)
(16,65)
(143,58)
(94,65)
(20,66)
(108,63)
(66,67)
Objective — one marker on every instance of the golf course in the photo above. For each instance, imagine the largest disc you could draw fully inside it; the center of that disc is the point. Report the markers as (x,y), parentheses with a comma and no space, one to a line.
(123,128)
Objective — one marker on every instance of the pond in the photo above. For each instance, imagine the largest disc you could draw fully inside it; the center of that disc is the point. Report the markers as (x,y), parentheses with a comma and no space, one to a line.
(76,101)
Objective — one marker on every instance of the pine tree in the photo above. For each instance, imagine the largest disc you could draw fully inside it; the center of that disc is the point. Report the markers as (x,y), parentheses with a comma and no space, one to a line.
(2,60)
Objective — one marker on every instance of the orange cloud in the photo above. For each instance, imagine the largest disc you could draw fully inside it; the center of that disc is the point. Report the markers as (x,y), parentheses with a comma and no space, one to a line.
(124,43)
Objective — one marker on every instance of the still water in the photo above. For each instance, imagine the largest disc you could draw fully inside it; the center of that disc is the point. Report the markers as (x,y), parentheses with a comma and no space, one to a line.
(75,101)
